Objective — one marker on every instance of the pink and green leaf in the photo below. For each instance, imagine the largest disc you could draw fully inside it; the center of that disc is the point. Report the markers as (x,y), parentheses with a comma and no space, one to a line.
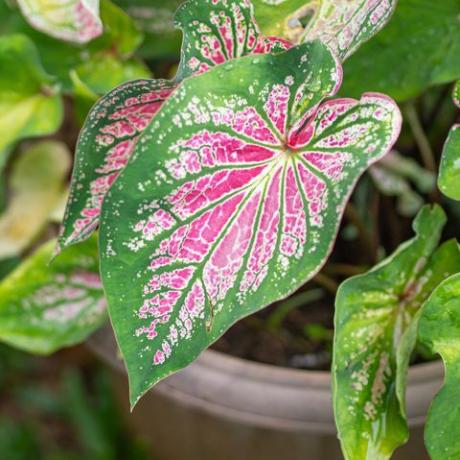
(449,172)
(216,31)
(77,21)
(232,201)
(375,333)
(226,23)
(46,307)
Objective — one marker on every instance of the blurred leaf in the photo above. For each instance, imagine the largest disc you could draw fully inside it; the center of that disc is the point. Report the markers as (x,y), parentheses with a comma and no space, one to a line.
(417,49)
(375,334)
(73,20)
(439,329)
(18,441)
(449,174)
(36,183)
(391,176)
(29,101)
(155,19)
(46,307)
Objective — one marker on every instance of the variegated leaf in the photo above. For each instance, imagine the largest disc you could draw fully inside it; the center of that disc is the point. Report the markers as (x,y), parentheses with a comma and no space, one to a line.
(216,31)
(73,20)
(46,307)
(231,201)
(449,173)
(439,330)
(375,333)
(104,147)
(115,123)
(343,24)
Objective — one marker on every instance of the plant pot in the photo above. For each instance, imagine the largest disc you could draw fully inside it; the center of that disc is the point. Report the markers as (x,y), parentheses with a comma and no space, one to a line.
(225,408)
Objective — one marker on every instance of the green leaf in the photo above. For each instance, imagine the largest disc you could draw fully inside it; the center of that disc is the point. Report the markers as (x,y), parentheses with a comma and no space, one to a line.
(449,172)
(77,21)
(342,24)
(36,183)
(439,329)
(46,307)
(231,201)
(417,49)
(375,333)
(155,19)
(29,102)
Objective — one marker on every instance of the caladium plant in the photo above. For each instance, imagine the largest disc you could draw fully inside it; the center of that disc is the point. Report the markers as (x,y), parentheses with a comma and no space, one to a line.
(221,190)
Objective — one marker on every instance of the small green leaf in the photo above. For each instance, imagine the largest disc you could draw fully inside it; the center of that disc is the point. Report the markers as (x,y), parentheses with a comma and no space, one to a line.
(36,183)
(342,24)
(418,48)
(73,20)
(29,101)
(375,332)
(46,307)
(439,329)
(449,172)
(231,201)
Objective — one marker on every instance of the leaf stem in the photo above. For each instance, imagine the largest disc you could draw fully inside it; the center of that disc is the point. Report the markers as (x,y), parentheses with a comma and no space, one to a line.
(326,282)
(421,139)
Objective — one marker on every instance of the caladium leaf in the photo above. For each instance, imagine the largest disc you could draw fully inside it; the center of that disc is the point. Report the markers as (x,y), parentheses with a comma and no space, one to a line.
(440,331)
(375,331)
(30,104)
(46,307)
(449,172)
(104,147)
(342,24)
(231,201)
(216,31)
(403,60)
(36,183)
(73,20)
(114,124)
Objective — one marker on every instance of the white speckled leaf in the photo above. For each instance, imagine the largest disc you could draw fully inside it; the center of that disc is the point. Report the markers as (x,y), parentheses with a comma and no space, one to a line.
(116,121)
(342,24)
(375,333)
(45,307)
(73,20)
(439,330)
(449,172)
(231,201)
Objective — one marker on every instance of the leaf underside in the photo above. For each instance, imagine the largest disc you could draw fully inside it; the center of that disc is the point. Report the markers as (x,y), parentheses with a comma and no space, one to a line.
(375,327)
(46,307)
(73,20)
(231,201)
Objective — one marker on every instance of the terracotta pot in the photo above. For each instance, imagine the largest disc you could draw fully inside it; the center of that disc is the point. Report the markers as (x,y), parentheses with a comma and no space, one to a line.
(225,408)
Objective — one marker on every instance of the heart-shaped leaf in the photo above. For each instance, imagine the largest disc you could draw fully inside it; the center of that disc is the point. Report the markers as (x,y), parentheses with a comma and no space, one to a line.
(342,24)
(113,126)
(29,101)
(440,331)
(231,201)
(73,20)
(46,307)
(375,333)
(36,184)
(449,172)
